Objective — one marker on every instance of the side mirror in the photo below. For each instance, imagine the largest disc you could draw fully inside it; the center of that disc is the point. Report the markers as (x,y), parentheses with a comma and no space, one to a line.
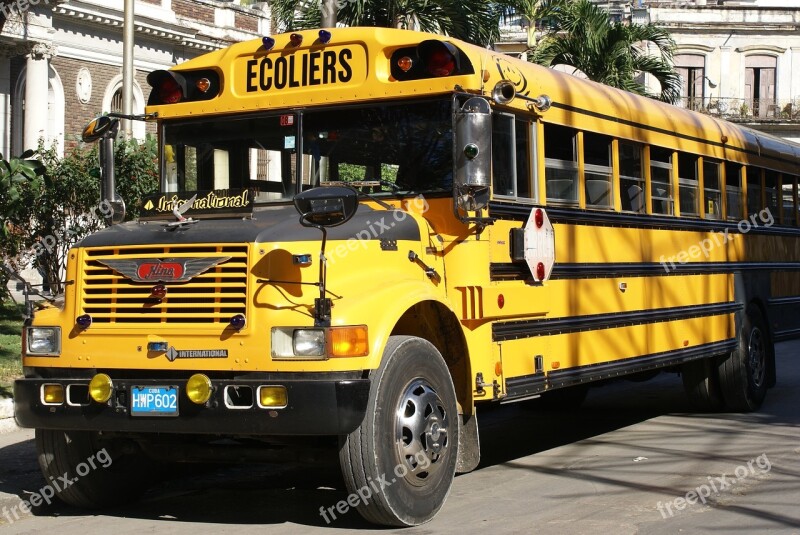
(105,129)
(100,127)
(473,154)
(327,206)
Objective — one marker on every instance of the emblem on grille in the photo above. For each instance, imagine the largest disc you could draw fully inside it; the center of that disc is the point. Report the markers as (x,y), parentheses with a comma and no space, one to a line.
(167,270)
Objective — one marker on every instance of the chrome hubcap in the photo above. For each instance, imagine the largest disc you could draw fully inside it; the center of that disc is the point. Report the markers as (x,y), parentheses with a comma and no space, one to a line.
(421,433)
(756,357)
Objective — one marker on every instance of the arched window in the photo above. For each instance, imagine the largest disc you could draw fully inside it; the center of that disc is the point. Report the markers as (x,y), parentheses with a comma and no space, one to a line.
(759,84)
(692,70)
(112,101)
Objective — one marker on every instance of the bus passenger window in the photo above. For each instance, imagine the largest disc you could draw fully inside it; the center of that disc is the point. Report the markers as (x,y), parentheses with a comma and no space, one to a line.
(789,212)
(687,181)
(753,190)
(597,170)
(711,197)
(561,163)
(771,193)
(733,181)
(524,175)
(503,152)
(661,180)
(631,178)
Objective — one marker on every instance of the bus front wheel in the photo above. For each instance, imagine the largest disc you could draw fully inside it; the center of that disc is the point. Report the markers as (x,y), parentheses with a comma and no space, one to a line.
(399,464)
(87,474)
(743,374)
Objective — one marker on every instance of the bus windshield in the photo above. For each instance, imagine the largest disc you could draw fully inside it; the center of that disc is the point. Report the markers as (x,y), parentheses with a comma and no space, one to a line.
(405,146)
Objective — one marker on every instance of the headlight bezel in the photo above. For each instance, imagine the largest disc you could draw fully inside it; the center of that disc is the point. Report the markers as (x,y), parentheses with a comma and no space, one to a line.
(35,335)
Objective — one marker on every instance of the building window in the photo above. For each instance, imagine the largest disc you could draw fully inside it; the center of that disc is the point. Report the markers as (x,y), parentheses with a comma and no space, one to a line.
(691,69)
(759,85)
(116,101)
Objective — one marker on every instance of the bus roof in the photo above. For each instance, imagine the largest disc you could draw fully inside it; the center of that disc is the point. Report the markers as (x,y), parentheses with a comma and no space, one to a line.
(359,64)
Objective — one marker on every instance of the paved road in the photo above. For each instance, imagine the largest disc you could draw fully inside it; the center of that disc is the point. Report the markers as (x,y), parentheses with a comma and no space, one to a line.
(604,469)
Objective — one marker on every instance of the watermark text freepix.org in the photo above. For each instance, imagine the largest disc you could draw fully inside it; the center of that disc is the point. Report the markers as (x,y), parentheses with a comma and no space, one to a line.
(373,486)
(715,485)
(101,459)
(21,7)
(704,247)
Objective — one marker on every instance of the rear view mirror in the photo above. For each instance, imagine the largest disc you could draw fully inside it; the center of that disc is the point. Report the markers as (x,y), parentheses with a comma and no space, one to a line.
(99,127)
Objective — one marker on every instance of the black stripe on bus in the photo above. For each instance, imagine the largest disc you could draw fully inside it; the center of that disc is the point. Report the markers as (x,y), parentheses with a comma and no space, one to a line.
(673,133)
(527,385)
(514,330)
(512,271)
(577,216)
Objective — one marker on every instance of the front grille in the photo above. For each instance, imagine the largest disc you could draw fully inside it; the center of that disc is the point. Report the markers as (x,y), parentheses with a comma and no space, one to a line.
(212,297)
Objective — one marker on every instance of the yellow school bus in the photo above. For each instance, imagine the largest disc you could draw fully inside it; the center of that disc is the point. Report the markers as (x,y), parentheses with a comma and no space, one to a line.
(364,235)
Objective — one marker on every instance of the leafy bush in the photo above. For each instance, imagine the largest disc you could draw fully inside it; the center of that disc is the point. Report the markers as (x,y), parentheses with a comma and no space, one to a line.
(60,210)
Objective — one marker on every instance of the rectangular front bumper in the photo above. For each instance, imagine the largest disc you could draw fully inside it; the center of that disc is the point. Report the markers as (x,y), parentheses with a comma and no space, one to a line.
(315,407)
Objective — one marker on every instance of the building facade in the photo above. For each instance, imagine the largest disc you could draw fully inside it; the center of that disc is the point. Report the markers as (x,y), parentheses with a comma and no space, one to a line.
(61,60)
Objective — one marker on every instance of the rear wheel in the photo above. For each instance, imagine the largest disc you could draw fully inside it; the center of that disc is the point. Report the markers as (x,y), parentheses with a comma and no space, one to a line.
(702,384)
(85,473)
(401,461)
(743,374)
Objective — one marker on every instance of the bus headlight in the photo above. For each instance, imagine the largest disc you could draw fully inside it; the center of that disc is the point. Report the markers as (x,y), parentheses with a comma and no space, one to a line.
(43,341)
(308,342)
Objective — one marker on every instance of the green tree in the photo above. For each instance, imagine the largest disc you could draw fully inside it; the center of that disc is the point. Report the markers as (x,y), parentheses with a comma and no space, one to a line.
(582,36)
(474,21)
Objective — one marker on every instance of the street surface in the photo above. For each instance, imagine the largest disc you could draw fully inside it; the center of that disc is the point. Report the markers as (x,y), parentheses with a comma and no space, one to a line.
(634,459)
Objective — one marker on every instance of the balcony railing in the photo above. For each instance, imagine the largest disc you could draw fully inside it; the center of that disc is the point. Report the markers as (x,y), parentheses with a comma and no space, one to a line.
(746,109)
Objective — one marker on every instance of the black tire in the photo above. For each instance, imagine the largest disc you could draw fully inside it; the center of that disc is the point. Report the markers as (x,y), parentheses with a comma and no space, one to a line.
(564,399)
(403,456)
(701,384)
(100,477)
(743,375)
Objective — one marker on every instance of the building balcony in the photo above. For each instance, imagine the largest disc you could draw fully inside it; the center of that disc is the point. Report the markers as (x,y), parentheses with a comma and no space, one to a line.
(746,110)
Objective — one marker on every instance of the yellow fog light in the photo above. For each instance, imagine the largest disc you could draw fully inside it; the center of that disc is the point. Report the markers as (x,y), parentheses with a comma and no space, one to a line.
(100,388)
(53,394)
(272,396)
(198,388)
(350,341)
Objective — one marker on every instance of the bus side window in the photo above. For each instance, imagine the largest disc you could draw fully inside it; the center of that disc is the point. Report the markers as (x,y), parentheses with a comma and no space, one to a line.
(597,170)
(687,181)
(522,133)
(753,190)
(661,180)
(503,155)
(733,188)
(711,197)
(561,163)
(789,187)
(631,177)
(771,185)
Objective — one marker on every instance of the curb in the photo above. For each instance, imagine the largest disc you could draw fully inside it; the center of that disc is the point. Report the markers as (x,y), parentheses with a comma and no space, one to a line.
(7,422)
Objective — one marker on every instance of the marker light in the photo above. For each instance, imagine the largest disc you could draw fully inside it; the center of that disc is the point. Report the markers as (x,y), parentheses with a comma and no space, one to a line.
(324,37)
(203,84)
(538,218)
(84,321)
(169,91)
(238,321)
(272,396)
(540,271)
(296,39)
(53,394)
(158,347)
(268,42)
(159,291)
(350,341)
(100,388)
(198,388)
(471,151)
(405,63)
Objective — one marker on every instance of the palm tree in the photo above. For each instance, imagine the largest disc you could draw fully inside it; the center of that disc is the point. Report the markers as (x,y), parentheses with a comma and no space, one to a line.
(582,36)
(475,21)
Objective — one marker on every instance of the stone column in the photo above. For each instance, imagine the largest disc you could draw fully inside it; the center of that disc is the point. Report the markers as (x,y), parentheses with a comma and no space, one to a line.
(37,84)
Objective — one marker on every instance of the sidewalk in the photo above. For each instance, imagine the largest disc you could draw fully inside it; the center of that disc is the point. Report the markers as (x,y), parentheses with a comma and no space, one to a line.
(7,423)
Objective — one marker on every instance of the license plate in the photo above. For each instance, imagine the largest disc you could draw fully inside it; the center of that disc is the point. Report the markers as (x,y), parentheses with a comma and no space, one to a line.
(154,401)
